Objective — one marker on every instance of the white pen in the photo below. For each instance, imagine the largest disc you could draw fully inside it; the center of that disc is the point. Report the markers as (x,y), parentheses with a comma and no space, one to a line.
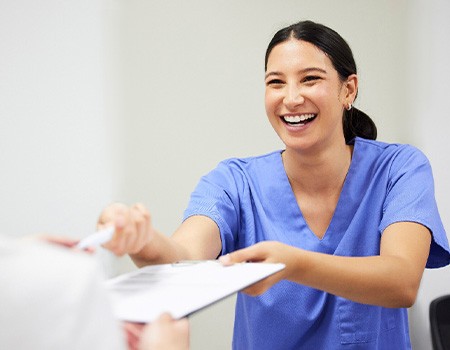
(96,239)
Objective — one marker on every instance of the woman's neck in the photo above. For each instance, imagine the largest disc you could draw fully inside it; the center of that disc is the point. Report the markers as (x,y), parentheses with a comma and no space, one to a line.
(318,173)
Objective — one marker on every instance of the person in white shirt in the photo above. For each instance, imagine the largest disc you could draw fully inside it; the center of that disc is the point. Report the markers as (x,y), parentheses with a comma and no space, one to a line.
(53,298)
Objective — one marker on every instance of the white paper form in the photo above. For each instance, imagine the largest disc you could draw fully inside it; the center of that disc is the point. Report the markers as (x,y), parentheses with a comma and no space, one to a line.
(180,288)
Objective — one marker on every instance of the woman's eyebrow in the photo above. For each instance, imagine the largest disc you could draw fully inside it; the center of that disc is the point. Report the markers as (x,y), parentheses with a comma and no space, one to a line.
(302,71)
(276,74)
(313,69)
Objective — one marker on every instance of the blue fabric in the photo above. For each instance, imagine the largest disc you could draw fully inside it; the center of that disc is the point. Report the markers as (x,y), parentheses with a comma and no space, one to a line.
(251,200)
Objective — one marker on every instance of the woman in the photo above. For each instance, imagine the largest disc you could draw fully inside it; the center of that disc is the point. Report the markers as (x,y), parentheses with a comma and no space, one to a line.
(354,220)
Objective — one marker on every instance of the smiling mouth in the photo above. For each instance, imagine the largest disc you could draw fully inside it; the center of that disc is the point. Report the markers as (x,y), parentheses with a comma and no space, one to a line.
(301,119)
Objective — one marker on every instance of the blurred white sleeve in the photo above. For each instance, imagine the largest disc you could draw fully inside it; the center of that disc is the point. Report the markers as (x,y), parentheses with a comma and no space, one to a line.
(52,299)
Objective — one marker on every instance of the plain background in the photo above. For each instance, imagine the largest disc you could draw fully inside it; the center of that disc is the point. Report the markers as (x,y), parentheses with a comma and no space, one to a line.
(133,101)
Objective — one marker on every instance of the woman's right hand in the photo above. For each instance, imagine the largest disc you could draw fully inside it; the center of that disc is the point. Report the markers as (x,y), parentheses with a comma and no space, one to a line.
(133,228)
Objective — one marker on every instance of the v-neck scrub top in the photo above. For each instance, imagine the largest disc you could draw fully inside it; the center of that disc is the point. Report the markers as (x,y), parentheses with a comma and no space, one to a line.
(251,200)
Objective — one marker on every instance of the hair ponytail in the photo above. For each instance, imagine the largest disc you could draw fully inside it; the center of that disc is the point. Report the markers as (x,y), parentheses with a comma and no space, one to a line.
(358,123)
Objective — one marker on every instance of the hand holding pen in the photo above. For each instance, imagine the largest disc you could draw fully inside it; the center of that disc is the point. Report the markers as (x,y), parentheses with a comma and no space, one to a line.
(132,228)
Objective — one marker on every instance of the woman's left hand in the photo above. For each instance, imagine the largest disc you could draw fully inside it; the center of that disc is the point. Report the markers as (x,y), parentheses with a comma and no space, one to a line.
(265,252)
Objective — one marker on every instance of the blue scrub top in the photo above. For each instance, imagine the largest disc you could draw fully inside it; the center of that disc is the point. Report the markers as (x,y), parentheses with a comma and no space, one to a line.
(251,200)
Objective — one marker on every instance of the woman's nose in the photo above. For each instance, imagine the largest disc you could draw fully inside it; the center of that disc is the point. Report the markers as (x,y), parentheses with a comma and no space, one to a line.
(293,97)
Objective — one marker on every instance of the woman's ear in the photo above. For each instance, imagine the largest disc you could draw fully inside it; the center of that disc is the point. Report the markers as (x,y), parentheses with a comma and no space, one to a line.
(351,85)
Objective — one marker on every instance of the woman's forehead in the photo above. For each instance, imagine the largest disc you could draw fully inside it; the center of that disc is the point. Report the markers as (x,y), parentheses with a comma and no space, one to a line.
(299,53)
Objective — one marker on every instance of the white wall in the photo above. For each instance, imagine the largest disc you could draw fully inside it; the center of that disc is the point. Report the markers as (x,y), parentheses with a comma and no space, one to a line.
(56,130)
(54,152)
(135,100)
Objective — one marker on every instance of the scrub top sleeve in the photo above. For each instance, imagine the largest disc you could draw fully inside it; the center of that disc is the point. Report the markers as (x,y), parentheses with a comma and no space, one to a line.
(216,196)
(410,197)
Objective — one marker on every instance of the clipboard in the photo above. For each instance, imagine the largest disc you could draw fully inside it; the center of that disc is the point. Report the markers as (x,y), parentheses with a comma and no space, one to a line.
(180,288)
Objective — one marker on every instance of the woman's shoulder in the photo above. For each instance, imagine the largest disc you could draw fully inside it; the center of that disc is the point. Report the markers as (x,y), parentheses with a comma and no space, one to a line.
(386,150)
(241,169)
(252,161)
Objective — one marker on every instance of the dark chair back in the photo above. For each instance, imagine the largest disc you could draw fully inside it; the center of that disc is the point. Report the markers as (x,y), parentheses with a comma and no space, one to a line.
(440,323)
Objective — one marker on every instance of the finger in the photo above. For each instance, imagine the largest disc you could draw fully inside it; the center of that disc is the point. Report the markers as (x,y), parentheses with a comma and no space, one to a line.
(122,227)
(59,240)
(133,329)
(243,255)
(133,339)
(165,317)
(131,232)
(263,285)
(142,209)
(142,222)
(109,214)
(183,326)
(255,290)
(133,333)
(260,287)
(135,231)
(129,227)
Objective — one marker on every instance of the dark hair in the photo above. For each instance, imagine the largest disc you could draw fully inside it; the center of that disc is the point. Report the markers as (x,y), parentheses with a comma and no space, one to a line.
(355,122)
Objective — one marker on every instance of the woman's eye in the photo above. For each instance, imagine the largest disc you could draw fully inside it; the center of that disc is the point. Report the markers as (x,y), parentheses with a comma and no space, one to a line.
(310,78)
(274,82)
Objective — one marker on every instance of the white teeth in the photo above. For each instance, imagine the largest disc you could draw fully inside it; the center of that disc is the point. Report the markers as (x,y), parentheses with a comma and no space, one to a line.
(298,118)
(293,119)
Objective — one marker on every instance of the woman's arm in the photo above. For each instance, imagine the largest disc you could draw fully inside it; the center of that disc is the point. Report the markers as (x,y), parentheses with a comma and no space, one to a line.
(391,279)
(197,238)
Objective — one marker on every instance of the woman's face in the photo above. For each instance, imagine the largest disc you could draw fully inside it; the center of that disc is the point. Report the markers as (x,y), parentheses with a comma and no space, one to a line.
(305,99)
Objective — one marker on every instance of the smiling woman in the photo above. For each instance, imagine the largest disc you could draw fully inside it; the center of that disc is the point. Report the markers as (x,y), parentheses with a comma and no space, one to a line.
(327,42)
(297,70)
(342,211)
(305,97)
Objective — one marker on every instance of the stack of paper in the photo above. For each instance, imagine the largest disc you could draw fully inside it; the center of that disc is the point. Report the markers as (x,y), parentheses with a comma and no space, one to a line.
(180,288)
